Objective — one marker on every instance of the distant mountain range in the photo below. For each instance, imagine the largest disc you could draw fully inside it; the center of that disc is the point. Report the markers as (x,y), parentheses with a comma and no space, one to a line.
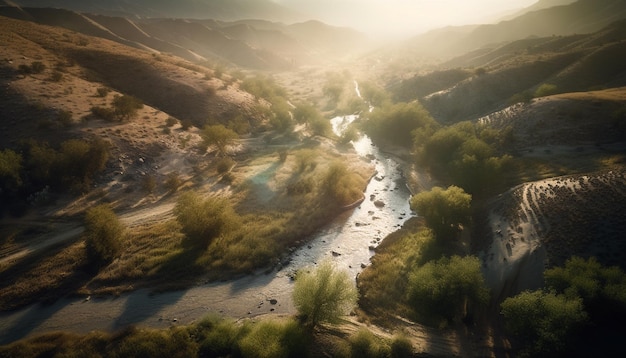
(256,44)
(543,19)
(227,10)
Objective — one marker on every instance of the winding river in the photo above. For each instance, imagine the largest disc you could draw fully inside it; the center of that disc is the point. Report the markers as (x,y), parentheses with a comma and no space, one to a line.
(348,241)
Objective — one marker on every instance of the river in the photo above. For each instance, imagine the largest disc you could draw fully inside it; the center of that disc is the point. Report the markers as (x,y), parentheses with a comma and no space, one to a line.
(348,241)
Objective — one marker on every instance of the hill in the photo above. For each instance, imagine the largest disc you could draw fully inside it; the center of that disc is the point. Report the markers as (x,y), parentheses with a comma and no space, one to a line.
(490,79)
(228,10)
(254,44)
(580,17)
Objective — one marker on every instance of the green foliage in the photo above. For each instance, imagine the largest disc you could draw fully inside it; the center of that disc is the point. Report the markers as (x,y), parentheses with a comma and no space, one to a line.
(224,165)
(546,89)
(443,210)
(72,167)
(103,233)
(364,344)
(522,97)
(107,114)
(602,289)
(342,185)
(281,119)
(449,289)
(373,94)
(126,107)
(218,135)
(401,347)
(305,160)
(323,294)
(65,118)
(10,170)
(544,321)
(349,135)
(173,181)
(462,154)
(271,338)
(311,116)
(263,87)
(154,343)
(334,87)
(396,123)
(204,220)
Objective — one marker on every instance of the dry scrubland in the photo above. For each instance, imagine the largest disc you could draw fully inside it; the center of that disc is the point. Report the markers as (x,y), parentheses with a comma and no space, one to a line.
(153,157)
(568,185)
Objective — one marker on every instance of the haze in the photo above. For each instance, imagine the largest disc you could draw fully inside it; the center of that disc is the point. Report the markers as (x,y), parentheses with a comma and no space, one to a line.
(393,17)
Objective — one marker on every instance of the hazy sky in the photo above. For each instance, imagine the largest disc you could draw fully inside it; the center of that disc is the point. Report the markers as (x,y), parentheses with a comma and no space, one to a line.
(397,16)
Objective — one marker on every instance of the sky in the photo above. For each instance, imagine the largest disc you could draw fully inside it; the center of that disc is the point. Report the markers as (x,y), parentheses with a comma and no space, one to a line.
(391,17)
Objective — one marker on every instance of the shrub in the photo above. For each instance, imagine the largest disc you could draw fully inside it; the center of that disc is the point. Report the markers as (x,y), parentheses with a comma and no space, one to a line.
(401,347)
(56,76)
(543,321)
(219,136)
(126,107)
(305,160)
(324,294)
(37,67)
(103,233)
(203,220)
(443,210)
(448,289)
(171,121)
(65,118)
(365,344)
(545,89)
(103,113)
(148,183)
(102,91)
(269,339)
(224,165)
(173,182)
(342,185)
(10,170)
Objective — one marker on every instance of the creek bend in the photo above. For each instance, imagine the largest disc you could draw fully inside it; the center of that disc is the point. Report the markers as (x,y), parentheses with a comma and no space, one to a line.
(347,241)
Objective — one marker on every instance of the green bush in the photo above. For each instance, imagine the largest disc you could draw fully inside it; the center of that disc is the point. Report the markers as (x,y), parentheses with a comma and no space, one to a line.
(323,294)
(544,321)
(125,107)
(364,344)
(103,233)
(444,210)
(270,339)
(218,135)
(10,170)
(342,185)
(401,347)
(448,289)
(546,89)
(396,123)
(224,165)
(203,220)
(107,114)
(171,121)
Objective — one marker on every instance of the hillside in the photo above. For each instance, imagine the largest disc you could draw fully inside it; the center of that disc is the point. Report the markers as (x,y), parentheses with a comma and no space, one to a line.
(215,9)
(580,17)
(254,44)
(490,79)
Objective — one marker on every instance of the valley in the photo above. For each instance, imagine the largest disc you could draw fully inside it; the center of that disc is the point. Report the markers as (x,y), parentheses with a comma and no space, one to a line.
(236,156)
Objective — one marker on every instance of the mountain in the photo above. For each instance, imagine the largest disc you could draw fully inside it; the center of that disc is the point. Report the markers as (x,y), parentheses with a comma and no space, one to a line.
(489,79)
(254,44)
(583,16)
(227,10)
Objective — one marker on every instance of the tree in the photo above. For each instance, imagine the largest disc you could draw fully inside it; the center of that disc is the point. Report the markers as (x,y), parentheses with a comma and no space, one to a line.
(443,210)
(448,288)
(126,107)
(543,320)
(324,294)
(602,289)
(103,232)
(203,220)
(342,185)
(218,135)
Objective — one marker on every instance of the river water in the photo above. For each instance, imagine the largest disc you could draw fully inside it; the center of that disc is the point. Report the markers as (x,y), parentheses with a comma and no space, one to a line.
(348,241)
